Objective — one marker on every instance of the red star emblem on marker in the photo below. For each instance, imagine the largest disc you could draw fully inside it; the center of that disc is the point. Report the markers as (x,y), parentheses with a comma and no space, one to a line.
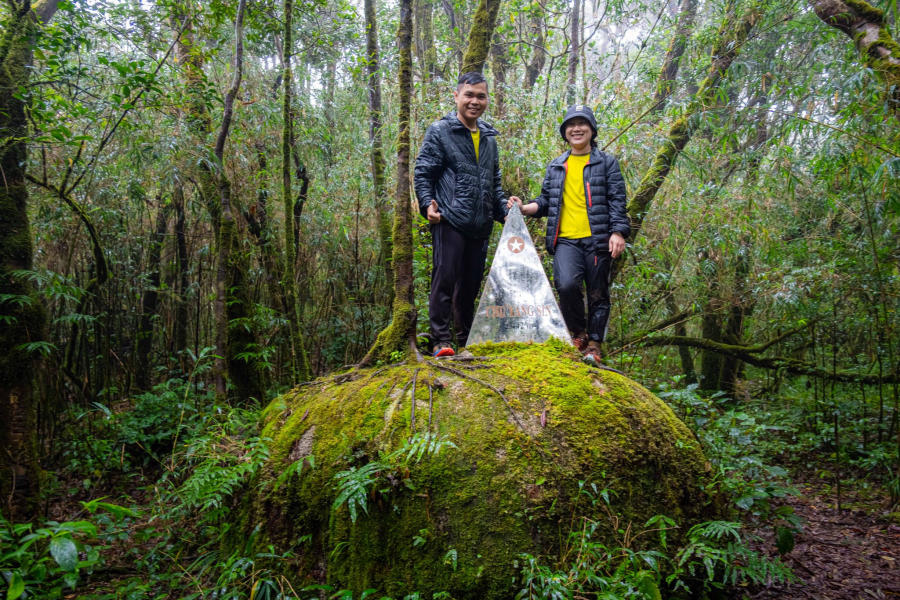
(515,244)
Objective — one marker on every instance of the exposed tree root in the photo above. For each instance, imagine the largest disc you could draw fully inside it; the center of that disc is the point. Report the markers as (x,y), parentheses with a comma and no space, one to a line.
(459,373)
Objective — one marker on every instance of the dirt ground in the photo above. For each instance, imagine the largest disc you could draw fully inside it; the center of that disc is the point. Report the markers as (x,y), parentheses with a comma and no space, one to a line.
(851,554)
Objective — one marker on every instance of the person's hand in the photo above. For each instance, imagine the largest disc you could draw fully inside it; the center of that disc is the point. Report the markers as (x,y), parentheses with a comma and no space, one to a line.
(513,200)
(616,244)
(432,213)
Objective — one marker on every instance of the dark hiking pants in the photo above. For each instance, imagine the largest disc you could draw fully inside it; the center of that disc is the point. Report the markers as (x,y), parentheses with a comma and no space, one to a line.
(576,266)
(456,274)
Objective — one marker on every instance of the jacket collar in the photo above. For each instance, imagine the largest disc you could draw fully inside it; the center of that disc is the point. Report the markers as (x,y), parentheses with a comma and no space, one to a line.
(483,127)
(560,160)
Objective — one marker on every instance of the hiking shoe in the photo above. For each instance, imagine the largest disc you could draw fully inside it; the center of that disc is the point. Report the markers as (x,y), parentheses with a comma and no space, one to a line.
(594,353)
(580,341)
(443,349)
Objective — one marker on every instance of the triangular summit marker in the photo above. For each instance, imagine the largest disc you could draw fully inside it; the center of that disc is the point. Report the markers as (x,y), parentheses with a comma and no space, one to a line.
(517,304)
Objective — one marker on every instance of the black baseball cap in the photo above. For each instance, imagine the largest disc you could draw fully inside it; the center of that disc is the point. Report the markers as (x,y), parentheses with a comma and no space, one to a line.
(579,110)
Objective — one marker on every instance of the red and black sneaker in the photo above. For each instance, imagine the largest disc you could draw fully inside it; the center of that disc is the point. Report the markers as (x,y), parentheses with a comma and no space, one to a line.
(594,353)
(442,349)
(580,340)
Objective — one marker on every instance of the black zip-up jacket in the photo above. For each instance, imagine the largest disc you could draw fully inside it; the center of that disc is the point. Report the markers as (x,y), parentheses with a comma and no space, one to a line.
(604,194)
(469,195)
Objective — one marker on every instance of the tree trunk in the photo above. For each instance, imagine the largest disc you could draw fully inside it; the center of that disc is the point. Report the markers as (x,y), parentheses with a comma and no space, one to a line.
(866,26)
(480,35)
(260,227)
(180,337)
(574,45)
(741,306)
(400,334)
(684,353)
(711,323)
(538,53)
(234,339)
(196,113)
(382,207)
(23,321)
(299,359)
(666,84)
(500,66)
(150,301)
(729,41)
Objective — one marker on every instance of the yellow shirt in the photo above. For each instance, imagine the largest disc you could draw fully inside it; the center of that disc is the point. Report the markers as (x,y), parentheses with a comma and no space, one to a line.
(573,218)
(476,138)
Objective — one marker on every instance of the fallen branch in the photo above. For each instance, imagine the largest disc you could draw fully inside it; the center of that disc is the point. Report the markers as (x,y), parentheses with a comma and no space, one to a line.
(749,354)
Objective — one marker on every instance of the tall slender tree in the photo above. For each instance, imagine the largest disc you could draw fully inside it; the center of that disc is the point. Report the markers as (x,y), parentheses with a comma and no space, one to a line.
(574,46)
(300,361)
(382,208)
(22,313)
(400,334)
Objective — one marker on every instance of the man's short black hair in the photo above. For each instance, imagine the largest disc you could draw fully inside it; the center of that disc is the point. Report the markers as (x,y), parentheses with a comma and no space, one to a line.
(471,78)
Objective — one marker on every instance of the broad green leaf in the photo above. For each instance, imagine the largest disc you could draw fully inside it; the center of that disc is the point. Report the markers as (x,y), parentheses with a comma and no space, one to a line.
(64,552)
(16,586)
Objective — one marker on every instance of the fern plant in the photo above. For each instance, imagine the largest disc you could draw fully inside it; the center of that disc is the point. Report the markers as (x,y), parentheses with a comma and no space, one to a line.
(355,484)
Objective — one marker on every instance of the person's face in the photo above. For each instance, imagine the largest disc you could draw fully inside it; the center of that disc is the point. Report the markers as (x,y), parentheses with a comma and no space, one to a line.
(578,133)
(471,100)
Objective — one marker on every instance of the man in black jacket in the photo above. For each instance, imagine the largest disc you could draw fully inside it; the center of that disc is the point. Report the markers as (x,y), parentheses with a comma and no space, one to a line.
(457,181)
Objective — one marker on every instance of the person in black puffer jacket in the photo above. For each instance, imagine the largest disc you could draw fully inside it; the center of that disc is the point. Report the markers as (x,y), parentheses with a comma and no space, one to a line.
(457,182)
(583,198)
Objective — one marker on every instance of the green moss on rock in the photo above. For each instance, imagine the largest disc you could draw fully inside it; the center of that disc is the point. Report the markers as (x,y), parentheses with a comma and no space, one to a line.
(529,423)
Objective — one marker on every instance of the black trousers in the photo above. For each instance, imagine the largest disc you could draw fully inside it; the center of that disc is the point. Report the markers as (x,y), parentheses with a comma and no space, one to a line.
(576,266)
(456,274)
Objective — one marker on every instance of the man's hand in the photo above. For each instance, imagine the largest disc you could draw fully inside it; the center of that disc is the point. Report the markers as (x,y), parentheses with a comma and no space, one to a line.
(529,209)
(432,213)
(616,244)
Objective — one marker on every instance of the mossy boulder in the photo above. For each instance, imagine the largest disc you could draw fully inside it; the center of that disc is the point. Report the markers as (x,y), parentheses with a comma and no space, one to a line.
(532,428)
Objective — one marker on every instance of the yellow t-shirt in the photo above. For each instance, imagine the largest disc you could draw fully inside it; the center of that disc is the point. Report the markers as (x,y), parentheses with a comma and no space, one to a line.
(476,138)
(573,218)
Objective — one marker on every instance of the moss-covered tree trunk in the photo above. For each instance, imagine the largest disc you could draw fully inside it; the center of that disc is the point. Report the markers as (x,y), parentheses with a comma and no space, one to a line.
(299,359)
(666,83)
(22,317)
(867,27)
(382,206)
(480,35)
(729,42)
(400,334)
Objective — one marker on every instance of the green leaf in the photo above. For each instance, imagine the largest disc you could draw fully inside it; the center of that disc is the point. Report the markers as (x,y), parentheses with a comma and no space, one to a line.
(16,586)
(784,539)
(64,552)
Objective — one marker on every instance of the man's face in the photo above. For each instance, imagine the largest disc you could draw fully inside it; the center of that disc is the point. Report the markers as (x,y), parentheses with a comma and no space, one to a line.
(471,100)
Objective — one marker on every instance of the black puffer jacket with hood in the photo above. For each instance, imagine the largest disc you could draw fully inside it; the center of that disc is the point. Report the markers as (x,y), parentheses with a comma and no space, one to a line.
(469,195)
(604,193)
